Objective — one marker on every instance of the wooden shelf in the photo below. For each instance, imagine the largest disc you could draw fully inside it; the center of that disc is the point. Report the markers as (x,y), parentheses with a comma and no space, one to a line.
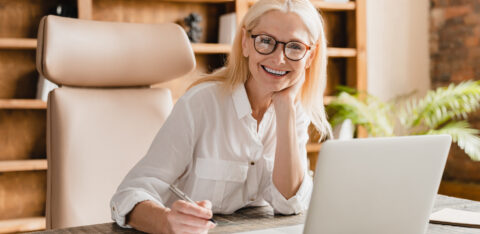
(22,104)
(23,165)
(313,147)
(198,48)
(334,52)
(18,43)
(211,48)
(23,224)
(325,6)
(331,6)
(201,1)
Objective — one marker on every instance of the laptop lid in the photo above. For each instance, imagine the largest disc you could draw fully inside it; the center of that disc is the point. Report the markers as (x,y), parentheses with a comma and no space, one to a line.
(376,185)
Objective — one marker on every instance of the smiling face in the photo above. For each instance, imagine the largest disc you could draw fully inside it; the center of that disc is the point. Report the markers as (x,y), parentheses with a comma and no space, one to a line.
(275,72)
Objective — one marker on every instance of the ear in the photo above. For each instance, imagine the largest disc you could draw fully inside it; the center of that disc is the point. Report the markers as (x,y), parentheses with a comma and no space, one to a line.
(244,43)
(313,53)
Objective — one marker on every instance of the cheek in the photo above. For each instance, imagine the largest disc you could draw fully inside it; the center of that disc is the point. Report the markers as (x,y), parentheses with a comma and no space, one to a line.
(253,62)
(298,68)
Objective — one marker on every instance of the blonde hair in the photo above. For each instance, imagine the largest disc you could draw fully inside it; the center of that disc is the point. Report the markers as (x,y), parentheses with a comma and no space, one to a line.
(236,71)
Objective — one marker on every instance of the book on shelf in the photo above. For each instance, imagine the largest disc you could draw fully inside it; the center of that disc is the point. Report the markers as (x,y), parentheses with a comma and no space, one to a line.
(227,28)
(44,87)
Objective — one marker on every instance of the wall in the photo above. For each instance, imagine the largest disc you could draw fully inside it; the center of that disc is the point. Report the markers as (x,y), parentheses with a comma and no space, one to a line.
(397,47)
(455,41)
(455,57)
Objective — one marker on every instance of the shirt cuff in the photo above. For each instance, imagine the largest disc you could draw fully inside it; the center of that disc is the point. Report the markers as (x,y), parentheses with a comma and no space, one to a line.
(296,204)
(123,202)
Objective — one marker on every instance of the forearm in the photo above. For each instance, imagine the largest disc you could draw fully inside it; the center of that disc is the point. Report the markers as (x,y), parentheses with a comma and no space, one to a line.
(287,171)
(147,216)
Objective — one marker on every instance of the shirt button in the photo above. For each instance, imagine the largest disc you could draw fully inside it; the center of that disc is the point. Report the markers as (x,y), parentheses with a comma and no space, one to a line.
(252,163)
(252,199)
(113,208)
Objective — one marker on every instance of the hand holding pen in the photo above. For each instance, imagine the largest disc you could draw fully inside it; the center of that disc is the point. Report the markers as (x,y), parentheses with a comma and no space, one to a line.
(189,216)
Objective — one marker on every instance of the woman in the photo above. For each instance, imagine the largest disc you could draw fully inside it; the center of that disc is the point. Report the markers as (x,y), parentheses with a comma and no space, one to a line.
(237,138)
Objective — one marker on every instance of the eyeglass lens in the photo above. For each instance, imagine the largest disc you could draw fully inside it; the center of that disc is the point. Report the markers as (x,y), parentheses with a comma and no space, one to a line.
(265,44)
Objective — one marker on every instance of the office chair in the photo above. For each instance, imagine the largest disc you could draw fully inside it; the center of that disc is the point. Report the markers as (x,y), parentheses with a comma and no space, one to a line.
(104,116)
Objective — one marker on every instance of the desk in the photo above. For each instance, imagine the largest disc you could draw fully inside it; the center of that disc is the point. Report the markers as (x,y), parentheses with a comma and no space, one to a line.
(255,218)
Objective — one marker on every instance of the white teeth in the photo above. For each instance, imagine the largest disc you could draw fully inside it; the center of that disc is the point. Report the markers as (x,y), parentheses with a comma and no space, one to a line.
(275,72)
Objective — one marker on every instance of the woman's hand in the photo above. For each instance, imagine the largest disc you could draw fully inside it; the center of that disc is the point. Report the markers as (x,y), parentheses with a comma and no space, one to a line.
(286,97)
(185,217)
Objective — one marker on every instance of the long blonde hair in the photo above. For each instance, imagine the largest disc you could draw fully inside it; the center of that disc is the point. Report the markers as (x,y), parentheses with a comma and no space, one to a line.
(236,71)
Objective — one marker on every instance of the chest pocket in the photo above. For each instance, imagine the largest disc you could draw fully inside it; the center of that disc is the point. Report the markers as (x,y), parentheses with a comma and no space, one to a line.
(220,172)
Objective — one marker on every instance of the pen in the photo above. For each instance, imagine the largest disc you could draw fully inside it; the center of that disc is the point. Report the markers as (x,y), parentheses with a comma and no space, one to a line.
(184,197)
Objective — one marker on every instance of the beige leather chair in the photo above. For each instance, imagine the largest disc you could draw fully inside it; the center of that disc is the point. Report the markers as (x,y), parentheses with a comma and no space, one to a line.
(104,116)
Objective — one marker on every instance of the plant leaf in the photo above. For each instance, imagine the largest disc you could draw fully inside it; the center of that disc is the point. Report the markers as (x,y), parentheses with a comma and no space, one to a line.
(442,105)
(466,137)
(371,113)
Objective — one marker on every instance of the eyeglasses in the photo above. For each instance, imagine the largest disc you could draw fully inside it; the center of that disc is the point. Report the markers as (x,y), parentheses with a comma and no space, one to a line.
(293,50)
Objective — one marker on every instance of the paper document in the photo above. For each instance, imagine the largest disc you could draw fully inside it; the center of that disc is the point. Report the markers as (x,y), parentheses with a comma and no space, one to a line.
(456,217)
(295,229)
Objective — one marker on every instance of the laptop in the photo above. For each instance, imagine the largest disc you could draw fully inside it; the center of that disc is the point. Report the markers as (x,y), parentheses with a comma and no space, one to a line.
(374,186)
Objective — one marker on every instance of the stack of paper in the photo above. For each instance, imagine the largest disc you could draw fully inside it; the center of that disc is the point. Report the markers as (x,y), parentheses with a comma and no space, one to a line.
(456,217)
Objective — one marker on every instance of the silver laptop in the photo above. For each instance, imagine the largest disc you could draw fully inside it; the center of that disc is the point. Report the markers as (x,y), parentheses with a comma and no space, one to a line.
(376,185)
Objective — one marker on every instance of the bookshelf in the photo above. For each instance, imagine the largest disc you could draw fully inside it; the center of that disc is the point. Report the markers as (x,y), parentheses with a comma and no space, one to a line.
(22,104)
(18,43)
(23,118)
(23,165)
(22,224)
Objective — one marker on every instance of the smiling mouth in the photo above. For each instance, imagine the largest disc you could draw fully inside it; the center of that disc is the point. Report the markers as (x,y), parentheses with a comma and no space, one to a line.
(274,72)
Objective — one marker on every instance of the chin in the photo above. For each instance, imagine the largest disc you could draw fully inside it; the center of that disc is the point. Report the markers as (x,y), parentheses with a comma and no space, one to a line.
(278,87)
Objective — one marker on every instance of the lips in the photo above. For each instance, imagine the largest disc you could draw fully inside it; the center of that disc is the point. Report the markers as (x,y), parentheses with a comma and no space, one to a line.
(274,72)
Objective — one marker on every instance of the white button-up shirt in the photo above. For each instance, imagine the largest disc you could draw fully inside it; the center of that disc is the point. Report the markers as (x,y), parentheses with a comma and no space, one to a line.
(210,148)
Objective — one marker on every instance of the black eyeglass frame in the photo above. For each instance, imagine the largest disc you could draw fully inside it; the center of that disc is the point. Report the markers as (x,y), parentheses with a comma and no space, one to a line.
(279,42)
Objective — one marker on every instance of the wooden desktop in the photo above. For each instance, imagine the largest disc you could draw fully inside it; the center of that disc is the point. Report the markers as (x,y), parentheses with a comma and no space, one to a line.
(257,218)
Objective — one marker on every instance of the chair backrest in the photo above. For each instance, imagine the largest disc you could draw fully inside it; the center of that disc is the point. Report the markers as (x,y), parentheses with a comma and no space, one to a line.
(104,116)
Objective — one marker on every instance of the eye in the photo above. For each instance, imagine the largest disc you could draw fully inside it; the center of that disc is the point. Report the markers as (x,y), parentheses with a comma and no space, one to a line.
(295,46)
(267,40)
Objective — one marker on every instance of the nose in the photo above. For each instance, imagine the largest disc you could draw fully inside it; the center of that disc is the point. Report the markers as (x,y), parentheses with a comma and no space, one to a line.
(278,55)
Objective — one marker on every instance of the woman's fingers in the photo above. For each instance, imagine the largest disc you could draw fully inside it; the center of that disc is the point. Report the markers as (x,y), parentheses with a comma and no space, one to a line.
(298,84)
(184,223)
(192,209)
(186,217)
(192,220)
(182,228)
(205,203)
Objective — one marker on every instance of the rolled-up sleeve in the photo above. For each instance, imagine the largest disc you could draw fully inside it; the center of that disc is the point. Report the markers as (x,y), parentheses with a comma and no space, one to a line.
(299,202)
(168,157)
(293,205)
(123,202)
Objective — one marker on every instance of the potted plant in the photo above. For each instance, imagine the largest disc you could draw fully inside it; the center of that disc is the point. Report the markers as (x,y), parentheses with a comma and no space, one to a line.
(442,111)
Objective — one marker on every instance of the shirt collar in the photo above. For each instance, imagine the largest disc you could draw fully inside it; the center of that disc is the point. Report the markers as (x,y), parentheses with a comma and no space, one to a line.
(241,102)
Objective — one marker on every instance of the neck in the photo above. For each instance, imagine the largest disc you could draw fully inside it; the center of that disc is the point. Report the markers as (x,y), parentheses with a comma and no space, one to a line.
(259,99)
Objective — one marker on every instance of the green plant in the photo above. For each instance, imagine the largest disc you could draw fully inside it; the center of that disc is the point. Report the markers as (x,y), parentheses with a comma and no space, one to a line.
(442,111)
